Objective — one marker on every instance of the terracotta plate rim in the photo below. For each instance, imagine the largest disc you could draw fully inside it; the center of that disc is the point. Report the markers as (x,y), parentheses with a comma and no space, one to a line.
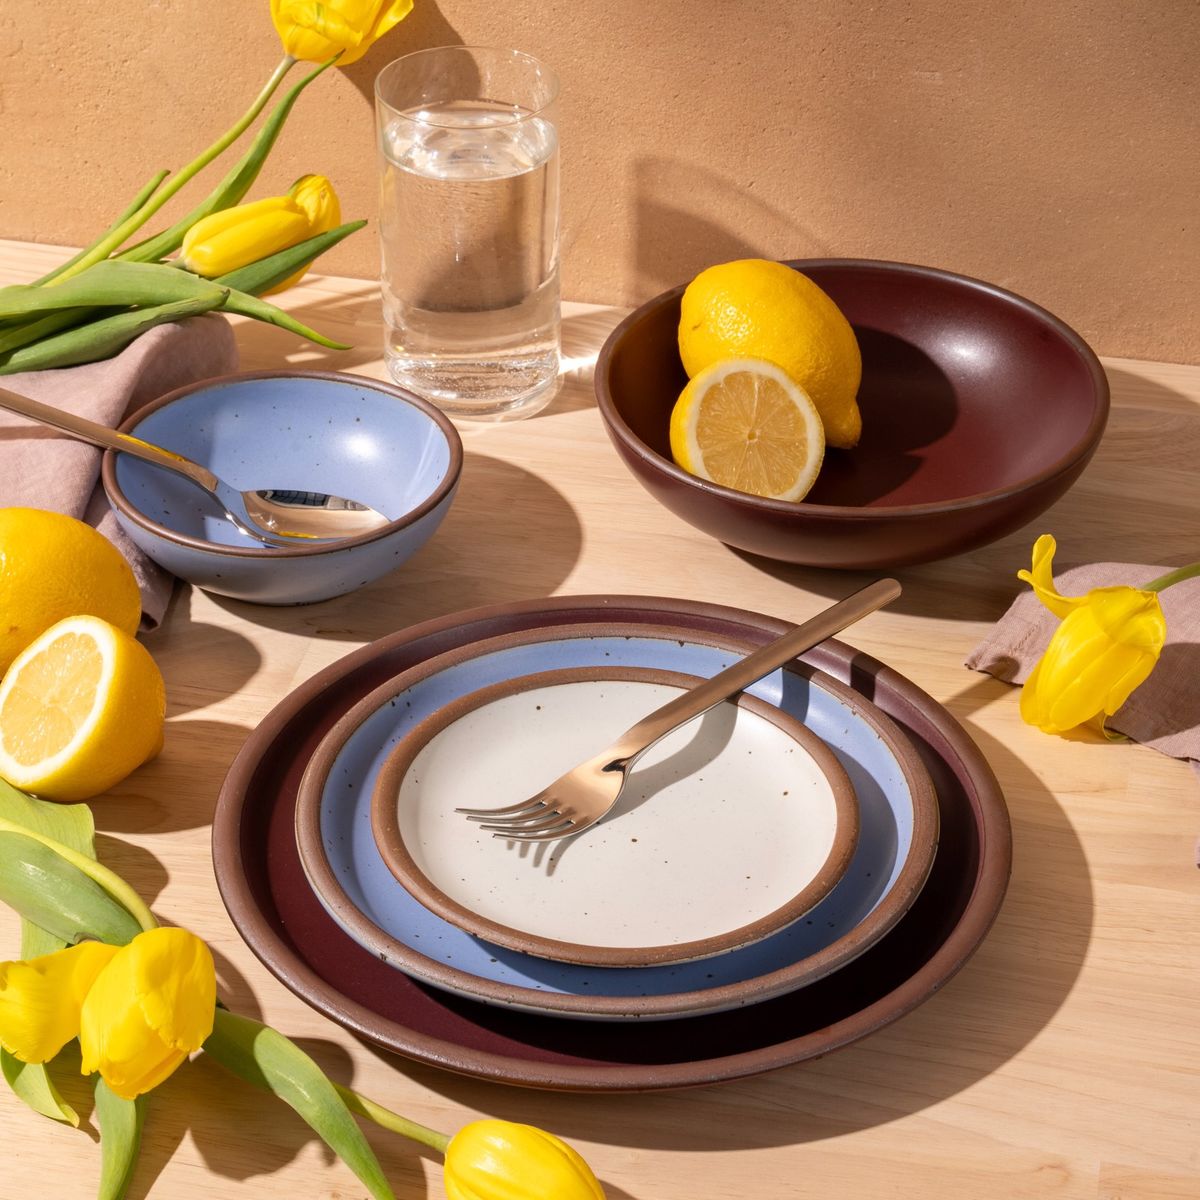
(260,935)
(785,979)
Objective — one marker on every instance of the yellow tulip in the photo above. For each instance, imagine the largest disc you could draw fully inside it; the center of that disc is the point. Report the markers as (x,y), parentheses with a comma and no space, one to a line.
(1107,644)
(233,237)
(147,1010)
(315,31)
(501,1160)
(40,1000)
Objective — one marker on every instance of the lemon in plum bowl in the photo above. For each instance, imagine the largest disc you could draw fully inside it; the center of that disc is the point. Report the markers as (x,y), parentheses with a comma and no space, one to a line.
(850,413)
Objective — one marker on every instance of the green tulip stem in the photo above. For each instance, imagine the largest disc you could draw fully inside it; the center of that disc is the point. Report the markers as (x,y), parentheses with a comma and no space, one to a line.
(110,881)
(103,248)
(386,1119)
(1172,577)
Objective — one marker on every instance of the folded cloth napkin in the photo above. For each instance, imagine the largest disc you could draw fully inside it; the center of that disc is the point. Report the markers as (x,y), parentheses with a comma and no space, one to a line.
(1164,712)
(42,468)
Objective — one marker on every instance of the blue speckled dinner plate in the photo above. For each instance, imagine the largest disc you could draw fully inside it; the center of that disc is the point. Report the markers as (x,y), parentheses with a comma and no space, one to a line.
(897,839)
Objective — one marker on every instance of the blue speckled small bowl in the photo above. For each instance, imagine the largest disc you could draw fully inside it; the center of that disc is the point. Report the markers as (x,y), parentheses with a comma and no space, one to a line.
(301,430)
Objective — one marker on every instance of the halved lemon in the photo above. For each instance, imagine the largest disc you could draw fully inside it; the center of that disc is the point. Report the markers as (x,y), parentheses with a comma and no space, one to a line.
(745,424)
(81,707)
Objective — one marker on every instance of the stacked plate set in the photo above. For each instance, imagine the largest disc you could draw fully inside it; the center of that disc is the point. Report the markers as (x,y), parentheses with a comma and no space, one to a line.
(780,877)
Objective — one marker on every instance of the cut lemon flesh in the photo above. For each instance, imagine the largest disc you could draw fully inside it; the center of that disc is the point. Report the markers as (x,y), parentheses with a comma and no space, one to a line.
(744,424)
(80,708)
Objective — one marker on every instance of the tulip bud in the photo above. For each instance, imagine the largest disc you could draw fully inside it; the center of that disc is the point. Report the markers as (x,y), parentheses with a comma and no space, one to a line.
(150,1007)
(232,238)
(502,1160)
(1107,645)
(315,32)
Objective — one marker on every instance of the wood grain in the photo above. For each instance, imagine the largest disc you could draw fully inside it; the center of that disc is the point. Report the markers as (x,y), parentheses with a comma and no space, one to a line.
(1063,1061)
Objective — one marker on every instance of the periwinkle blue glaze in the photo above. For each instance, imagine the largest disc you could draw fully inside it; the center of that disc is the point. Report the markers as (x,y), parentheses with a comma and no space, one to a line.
(885,799)
(339,434)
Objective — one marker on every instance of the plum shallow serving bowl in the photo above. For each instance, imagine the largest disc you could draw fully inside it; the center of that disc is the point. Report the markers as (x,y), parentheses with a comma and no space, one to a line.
(980,409)
(307,431)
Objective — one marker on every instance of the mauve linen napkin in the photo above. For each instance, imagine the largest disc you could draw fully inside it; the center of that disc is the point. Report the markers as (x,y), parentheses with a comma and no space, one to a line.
(42,468)
(1164,712)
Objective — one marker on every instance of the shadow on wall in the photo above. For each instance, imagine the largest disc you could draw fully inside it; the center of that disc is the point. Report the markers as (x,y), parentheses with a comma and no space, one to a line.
(673,239)
(422,29)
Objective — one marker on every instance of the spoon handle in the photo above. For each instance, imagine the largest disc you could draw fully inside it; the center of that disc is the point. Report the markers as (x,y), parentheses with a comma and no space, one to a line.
(108,439)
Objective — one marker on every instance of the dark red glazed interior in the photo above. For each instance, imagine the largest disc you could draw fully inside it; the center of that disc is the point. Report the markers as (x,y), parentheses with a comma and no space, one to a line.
(978,406)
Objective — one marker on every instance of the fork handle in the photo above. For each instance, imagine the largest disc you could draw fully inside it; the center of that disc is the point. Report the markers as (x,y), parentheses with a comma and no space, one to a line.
(634,742)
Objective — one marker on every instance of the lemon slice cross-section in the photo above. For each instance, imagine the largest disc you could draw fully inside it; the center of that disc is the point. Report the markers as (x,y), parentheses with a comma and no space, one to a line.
(745,424)
(80,708)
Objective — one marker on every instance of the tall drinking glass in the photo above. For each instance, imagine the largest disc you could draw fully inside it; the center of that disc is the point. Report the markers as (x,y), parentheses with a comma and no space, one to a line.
(469,225)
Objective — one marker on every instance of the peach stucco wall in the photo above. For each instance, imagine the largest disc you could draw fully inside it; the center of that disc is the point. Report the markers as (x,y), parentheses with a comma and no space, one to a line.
(1047,145)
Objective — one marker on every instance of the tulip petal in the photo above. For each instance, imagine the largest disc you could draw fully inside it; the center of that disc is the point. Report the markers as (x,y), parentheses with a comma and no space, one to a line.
(1041,579)
(315,31)
(177,985)
(148,1009)
(40,1000)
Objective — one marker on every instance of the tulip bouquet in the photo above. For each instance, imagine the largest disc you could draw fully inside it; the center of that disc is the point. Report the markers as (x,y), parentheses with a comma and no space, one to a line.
(221,256)
(141,998)
(1106,646)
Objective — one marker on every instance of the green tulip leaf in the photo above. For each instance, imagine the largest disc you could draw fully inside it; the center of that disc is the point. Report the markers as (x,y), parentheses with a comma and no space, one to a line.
(58,898)
(120,1138)
(267,1059)
(251,306)
(266,273)
(123,284)
(31,1082)
(70,824)
(101,338)
(233,187)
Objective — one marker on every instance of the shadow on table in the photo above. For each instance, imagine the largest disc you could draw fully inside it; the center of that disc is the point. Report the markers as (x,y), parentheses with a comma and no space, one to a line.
(1003,998)
(509,535)
(178,789)
(1099,519)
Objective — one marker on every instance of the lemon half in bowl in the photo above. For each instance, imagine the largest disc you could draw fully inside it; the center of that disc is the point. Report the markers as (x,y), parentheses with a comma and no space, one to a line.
(745,424)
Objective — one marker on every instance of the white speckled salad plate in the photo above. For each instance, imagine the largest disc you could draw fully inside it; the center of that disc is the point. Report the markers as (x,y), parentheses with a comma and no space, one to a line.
(729,829)
(897,835)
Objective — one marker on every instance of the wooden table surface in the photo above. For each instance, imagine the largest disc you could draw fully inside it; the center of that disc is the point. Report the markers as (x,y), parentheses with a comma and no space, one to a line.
(1063,1061)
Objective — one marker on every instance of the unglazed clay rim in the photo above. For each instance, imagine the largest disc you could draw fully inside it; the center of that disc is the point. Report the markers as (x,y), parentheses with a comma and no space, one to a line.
(266,938)
(1080,452)
(446,485)
(394,850)
(854,942)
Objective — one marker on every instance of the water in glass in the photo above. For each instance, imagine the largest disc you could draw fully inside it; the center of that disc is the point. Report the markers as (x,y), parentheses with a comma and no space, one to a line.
(469,226)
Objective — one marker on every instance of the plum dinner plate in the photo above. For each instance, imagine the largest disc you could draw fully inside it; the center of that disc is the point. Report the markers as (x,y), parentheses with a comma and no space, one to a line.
(269,899)
(341,855)
(729,829)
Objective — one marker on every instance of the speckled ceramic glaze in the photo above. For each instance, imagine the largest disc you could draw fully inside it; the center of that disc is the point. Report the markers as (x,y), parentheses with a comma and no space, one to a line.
(305,431)
(728,829)
(897,837)
(257,867)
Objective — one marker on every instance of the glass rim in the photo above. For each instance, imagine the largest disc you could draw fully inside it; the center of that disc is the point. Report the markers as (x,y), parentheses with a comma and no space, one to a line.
(548,76)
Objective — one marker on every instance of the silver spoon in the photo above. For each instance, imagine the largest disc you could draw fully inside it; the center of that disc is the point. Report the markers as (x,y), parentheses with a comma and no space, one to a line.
(274,516)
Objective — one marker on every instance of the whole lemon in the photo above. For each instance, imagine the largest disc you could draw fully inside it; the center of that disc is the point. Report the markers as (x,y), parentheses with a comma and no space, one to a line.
(754,308)
(53,566)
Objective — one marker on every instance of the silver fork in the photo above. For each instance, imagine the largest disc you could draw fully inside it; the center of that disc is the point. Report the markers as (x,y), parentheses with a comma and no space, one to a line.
(577,800)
